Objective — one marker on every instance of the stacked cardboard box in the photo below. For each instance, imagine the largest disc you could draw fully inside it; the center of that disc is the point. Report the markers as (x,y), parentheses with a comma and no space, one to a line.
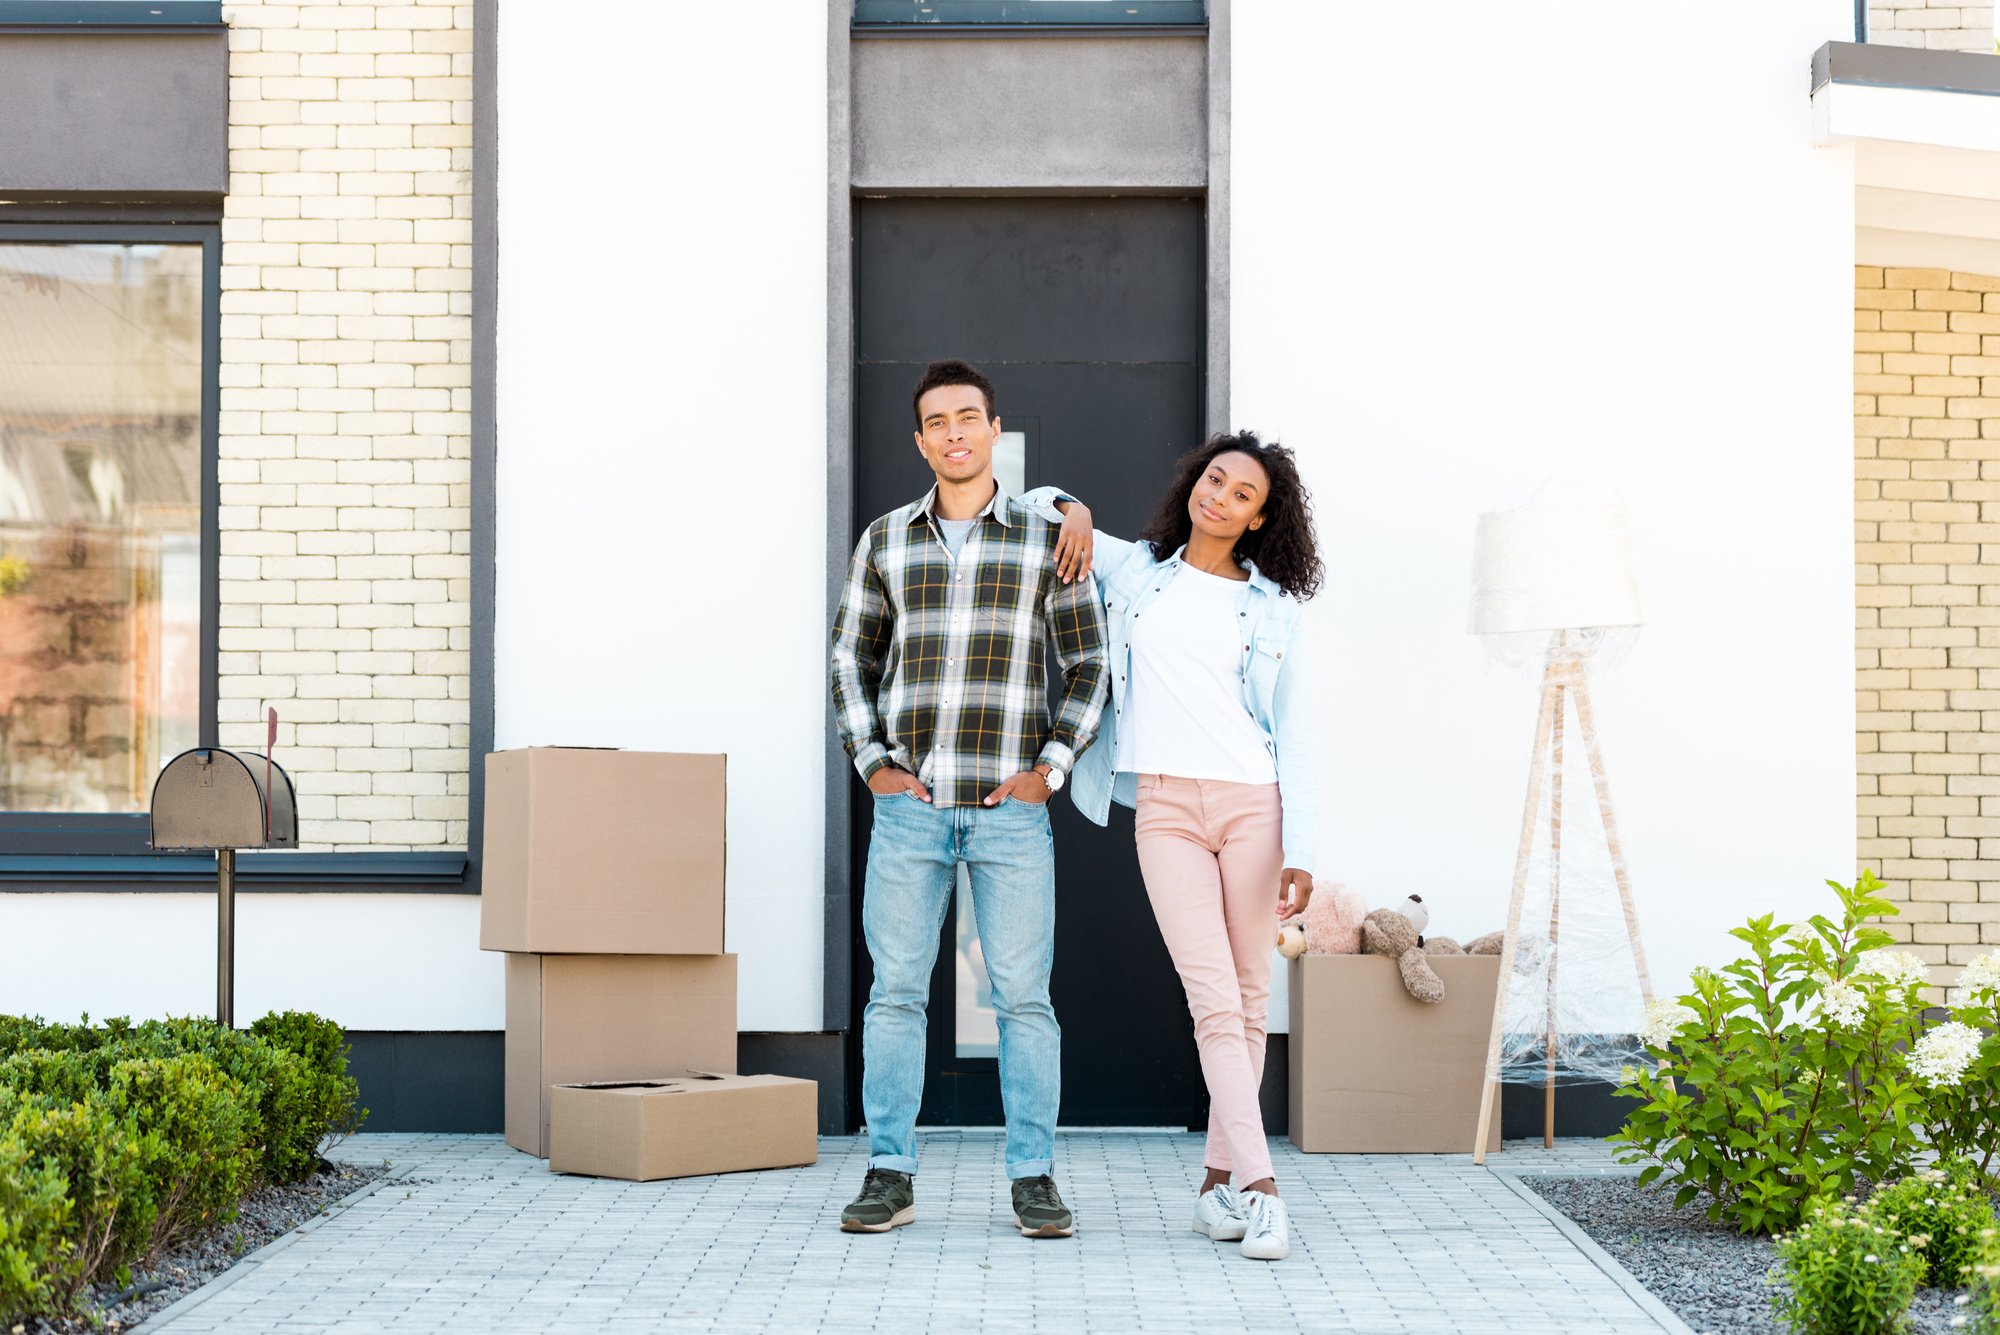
(602,881)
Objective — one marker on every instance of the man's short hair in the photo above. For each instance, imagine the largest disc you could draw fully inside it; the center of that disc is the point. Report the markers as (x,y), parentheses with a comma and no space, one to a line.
(952,372)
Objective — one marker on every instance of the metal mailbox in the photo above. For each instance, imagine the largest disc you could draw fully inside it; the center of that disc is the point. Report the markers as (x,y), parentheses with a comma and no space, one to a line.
(212,800)
(209,800)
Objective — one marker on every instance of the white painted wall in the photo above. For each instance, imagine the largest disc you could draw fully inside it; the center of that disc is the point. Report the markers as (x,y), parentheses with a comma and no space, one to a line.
(661,415)
(1600,244)
(372,962)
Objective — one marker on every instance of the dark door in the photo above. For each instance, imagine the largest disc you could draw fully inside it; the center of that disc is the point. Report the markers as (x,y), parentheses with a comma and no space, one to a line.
(1087,315)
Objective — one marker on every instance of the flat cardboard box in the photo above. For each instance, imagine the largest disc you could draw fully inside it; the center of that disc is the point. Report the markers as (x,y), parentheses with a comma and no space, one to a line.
(696,1123)
(610,1017)
(614,852)
(1375,1071)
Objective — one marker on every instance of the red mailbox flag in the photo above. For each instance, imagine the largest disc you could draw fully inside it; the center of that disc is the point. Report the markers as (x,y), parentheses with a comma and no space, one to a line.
(270,740)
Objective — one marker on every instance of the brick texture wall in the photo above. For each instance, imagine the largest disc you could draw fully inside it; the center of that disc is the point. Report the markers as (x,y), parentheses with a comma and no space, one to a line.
(1927,601)
(1936,25)
(345,432)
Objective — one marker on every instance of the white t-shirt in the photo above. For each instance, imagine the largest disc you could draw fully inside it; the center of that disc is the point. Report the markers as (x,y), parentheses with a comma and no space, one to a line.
(1184,714)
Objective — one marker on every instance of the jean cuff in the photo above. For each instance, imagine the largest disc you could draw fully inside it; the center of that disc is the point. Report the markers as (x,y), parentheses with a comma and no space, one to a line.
(895,1163)
(1030,1168)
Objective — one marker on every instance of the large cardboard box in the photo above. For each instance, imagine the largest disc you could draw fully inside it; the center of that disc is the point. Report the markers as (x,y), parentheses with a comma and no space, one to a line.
(1373,1070)
(602,851)
(697,1123)
(610,1017)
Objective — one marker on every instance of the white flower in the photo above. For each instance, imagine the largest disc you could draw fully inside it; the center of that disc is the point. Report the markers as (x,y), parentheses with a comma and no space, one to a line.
(1799,935)
(1871,1258)
(1663,1020)
(1842,1004)
(1896,968)
(1982,975)
(1942,1054)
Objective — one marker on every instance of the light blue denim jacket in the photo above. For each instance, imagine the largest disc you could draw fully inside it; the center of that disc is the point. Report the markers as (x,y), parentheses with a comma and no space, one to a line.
(1276,682)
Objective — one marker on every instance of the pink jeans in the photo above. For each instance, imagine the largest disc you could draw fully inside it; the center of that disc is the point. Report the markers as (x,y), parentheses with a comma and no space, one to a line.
(1211,853)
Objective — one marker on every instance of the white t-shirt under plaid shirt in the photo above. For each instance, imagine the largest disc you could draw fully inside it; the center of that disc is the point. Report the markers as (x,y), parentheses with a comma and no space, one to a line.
(938,661)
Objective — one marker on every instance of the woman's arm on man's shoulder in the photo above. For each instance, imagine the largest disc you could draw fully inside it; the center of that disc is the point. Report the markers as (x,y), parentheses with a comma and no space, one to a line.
(1080,549)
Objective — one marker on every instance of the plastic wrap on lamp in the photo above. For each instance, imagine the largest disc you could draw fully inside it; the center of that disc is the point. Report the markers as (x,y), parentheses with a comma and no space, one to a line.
(1573,1006)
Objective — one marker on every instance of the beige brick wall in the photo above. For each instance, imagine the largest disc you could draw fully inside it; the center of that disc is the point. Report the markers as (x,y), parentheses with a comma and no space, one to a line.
(1927,601)
(345,434)
(1936,25)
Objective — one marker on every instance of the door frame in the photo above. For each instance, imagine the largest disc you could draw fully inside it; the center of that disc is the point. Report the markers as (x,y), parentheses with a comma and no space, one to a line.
(842,892)
(843,198)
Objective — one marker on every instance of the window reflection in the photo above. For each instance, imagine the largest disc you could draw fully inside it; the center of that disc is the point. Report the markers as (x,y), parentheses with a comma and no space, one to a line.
(100,521)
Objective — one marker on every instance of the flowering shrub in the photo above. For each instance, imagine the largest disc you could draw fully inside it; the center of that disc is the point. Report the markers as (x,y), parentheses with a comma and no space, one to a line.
(1847,1274)
(1958,1065)
(1983,1297)
(1783,1075)
(1944,1216)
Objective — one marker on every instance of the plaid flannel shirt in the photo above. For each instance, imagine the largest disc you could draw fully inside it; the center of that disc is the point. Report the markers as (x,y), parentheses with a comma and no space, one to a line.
(937,664)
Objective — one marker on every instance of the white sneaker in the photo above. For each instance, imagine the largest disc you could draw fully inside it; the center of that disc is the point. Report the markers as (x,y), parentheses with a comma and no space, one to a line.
(1269,1234)
(1218,1213)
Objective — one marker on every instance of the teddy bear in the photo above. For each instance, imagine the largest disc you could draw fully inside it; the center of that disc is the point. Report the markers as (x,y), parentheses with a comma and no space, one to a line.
(1330,925)
(1398,934)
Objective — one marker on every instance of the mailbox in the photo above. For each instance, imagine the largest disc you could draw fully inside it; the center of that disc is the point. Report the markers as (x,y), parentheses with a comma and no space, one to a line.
(210,799)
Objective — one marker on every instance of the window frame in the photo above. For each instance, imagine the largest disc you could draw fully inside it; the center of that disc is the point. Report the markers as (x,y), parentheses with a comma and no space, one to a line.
(1001,17)
(33,842)
(98,15)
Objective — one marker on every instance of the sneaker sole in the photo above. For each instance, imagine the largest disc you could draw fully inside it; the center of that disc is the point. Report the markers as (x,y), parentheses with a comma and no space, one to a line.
(1277,1255)
(1045,1231)
(1223,1234)
(906,1215)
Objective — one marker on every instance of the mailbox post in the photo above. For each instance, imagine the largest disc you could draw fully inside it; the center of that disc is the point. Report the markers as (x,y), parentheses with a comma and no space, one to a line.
(212,800)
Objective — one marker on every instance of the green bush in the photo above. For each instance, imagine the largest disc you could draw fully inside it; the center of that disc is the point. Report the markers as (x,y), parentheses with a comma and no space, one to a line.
(322,1045)
(1958,1067)
(1846,1274)
(118,1142)
(1782,1076)
(38,1267)
(194,1127)
(111,1214)
(1943,1215)
(1983,1295)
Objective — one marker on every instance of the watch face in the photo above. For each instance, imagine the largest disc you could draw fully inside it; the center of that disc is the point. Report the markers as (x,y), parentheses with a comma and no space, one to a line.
(1055,780)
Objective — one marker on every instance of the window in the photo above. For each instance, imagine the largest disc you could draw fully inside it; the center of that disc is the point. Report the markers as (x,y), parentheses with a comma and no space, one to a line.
(107,350)
(1031,13)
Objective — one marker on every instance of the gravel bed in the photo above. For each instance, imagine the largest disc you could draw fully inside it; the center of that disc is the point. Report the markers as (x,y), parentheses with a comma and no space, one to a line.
(1713,1277)
(261,1217)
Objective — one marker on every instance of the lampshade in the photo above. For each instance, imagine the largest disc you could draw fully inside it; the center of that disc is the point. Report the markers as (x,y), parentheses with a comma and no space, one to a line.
(1553,568)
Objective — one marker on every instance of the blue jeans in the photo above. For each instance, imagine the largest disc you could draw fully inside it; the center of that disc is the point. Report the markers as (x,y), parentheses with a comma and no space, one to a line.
(913,857)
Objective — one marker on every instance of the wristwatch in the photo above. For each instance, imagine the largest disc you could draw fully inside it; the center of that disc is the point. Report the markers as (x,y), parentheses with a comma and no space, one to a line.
(1051,776)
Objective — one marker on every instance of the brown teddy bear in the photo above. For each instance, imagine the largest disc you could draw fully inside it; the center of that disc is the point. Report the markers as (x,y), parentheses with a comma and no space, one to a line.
(1398,934)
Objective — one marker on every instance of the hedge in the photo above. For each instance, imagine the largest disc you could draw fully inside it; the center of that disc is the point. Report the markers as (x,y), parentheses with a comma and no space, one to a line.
(119,1142)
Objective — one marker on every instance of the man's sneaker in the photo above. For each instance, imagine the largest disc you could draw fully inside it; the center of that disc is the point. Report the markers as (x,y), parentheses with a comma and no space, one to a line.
(1269,1234)
(1039,1211)
(1218,1214)
(888,1200)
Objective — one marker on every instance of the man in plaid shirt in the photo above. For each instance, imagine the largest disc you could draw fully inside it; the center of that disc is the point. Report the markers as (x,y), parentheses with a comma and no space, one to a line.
(939,690)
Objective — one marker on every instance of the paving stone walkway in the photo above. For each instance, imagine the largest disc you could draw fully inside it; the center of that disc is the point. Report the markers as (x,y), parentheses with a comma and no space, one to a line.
(474,1237)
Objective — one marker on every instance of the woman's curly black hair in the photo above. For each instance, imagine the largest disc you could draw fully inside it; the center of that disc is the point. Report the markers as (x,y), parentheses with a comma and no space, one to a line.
(1283,547)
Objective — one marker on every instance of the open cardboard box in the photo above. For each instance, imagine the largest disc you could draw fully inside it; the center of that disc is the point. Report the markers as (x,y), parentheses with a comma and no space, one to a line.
(1375,1071)
(691,1124)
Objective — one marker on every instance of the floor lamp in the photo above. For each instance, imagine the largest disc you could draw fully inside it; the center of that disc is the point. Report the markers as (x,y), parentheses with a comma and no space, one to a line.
(1563,574)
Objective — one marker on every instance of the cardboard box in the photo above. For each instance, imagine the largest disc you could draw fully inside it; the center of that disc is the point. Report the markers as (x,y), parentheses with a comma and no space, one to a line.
(696,1123)
(619,852)
(1374,1071)
(610,1017)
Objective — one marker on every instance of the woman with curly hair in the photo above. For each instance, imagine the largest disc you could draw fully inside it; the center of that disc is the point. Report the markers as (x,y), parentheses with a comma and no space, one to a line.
(1210,737)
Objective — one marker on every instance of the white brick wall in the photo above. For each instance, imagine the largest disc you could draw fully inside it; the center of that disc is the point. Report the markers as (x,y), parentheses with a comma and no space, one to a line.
(1936,25)
(345,427)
